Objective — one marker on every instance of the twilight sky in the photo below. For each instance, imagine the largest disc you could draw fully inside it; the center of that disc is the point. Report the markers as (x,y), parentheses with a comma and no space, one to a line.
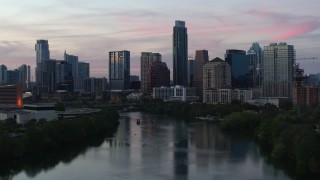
(90,29)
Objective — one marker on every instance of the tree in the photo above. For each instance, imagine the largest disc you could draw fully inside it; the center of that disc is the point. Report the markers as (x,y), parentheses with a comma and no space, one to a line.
(59,107)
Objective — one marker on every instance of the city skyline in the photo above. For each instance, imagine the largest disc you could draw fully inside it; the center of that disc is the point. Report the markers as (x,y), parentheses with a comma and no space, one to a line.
(91,30)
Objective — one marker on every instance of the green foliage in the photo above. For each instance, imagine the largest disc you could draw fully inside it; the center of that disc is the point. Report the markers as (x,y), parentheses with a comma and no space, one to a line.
(188,111)
(46,136)
(241,121)
(316,114)
(59,106)
(291,137)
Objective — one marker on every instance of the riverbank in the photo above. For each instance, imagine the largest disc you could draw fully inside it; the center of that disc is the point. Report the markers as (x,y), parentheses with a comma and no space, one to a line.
(42,137)
(289,135)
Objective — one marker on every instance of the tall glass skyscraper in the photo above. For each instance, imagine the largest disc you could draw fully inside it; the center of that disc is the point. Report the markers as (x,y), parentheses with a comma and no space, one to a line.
(239,62)
(147,58)
(256,65)
(64,77)
(201,59)
(180,54)
(83,73)
(24,77)
(119,70)
(3,74)
(74,61)
(42,53)
(191,68)
(278,70)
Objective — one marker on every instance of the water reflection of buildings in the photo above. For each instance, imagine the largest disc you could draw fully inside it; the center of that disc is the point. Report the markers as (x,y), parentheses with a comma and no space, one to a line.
(181,152)
(119,145)
(208,137)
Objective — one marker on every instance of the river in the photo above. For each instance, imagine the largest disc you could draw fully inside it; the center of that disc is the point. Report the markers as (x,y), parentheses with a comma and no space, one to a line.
(158,148)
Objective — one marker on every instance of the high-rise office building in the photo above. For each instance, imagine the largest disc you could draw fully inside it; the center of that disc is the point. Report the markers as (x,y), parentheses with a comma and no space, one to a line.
(73,60)
(12,77)
(83,73)
(278,71)
(64,78)
(255,65)
(3,74)
(42,53)
(134,78)
(119,70)
(216,74)
(147,58)
(25,77)
(180,54)
(95,85)
(201,59)
(191,68)
(48,74)
(158,75)
(239,62)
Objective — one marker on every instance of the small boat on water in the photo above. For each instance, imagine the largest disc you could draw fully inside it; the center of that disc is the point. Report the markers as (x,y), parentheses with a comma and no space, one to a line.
(138,121)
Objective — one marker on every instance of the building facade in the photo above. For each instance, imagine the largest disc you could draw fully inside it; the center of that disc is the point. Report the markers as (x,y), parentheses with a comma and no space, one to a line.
(278,70)
(25,77)
(201,59)
(191,68)
(175,93)
(158,75)
(239,62)
(180,54)
(3,74)
(226,96)
(83,74)
(119,70)
(11,94)
(95,85)
(255,65)
(13,77)
(147,58)
(48,74)
(42,54)
(216,74)
(74,61)
(64,78)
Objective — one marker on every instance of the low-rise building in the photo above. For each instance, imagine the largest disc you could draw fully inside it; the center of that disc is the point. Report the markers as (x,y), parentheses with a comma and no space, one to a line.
(29,112)
(226,96)
(11,94)
(175,93)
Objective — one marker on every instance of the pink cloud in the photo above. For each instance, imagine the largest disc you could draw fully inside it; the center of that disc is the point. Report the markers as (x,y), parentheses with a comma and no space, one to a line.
(297,30)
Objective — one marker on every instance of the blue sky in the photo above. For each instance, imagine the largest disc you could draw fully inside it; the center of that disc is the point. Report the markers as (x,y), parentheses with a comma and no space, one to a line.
(90,29)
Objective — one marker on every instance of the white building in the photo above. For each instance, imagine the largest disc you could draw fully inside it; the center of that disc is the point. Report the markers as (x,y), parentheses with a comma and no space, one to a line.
(226,96)
(31,111)
(175,93)
(135,96)
(278,70)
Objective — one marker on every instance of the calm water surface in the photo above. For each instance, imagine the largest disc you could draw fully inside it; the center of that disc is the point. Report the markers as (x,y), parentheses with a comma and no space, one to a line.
(162,148)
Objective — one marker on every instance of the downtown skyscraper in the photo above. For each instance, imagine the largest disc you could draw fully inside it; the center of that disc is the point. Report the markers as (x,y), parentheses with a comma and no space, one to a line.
(180,54)
(119,70)
(42,54)
(278,71)
(147,58)
(202,57)
(74,61)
